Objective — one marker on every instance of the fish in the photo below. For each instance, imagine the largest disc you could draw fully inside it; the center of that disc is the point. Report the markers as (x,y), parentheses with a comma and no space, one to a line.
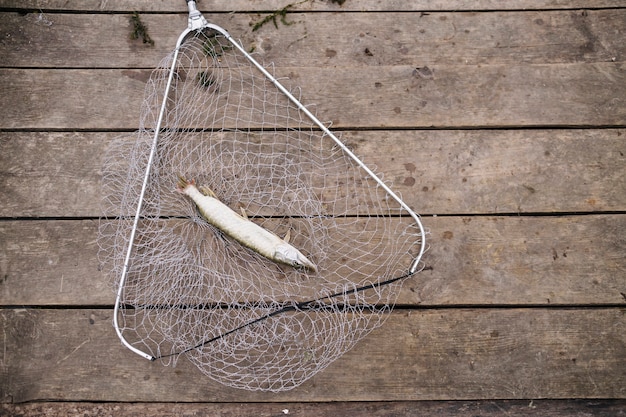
(242,229)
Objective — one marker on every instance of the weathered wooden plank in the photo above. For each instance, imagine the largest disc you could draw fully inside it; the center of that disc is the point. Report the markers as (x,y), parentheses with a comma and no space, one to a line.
(64,169)
(473,261)
(50,254)
(570,260)
(382,97)
(52,174)
(87,93)
(431,169)
(74,355)
(326,39)
(484,408)
(272,5)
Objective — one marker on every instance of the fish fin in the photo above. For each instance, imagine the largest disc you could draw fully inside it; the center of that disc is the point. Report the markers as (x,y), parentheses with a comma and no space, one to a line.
(207,191)
(243,212)
(287,237)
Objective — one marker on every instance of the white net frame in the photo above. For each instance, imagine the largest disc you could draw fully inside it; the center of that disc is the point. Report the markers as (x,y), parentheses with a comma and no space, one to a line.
(213,114)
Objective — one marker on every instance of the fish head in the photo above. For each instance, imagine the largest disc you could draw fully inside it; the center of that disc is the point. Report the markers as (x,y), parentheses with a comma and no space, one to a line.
(289,255)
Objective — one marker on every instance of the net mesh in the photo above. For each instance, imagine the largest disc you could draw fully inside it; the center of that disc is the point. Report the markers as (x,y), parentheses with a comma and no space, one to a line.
(190,290)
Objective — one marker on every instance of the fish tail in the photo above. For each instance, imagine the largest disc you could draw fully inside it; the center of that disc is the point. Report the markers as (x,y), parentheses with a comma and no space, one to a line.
(183,183)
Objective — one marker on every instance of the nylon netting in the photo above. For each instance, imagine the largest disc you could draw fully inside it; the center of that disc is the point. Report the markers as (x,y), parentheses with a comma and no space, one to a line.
(191,291)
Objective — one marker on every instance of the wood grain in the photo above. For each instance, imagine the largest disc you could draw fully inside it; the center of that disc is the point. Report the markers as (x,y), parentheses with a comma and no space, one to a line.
(325,39)
(490,261)
(485,408)
(52,174)
(522,182)
(270,6)
(456,354)
(381,97)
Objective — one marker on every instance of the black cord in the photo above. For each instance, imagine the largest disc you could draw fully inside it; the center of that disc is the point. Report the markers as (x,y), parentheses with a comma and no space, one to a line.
(302,306)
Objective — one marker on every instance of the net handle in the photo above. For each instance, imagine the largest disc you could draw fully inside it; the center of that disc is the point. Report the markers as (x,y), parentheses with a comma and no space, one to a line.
(195,22)
(144,186)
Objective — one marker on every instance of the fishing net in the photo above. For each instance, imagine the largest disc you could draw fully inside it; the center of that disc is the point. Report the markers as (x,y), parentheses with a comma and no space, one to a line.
(184,287)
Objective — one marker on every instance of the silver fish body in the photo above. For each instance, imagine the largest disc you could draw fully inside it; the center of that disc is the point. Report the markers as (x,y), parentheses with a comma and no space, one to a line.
(243,230)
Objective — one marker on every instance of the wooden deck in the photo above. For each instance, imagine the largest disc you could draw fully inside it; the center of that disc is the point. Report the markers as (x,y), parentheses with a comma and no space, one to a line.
(502,123)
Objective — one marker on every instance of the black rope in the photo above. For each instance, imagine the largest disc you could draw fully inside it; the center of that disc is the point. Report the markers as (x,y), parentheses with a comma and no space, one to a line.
(301,306)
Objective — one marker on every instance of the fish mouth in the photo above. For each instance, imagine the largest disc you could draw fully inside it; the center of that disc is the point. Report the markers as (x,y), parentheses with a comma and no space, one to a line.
(289,255)
(305,263)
